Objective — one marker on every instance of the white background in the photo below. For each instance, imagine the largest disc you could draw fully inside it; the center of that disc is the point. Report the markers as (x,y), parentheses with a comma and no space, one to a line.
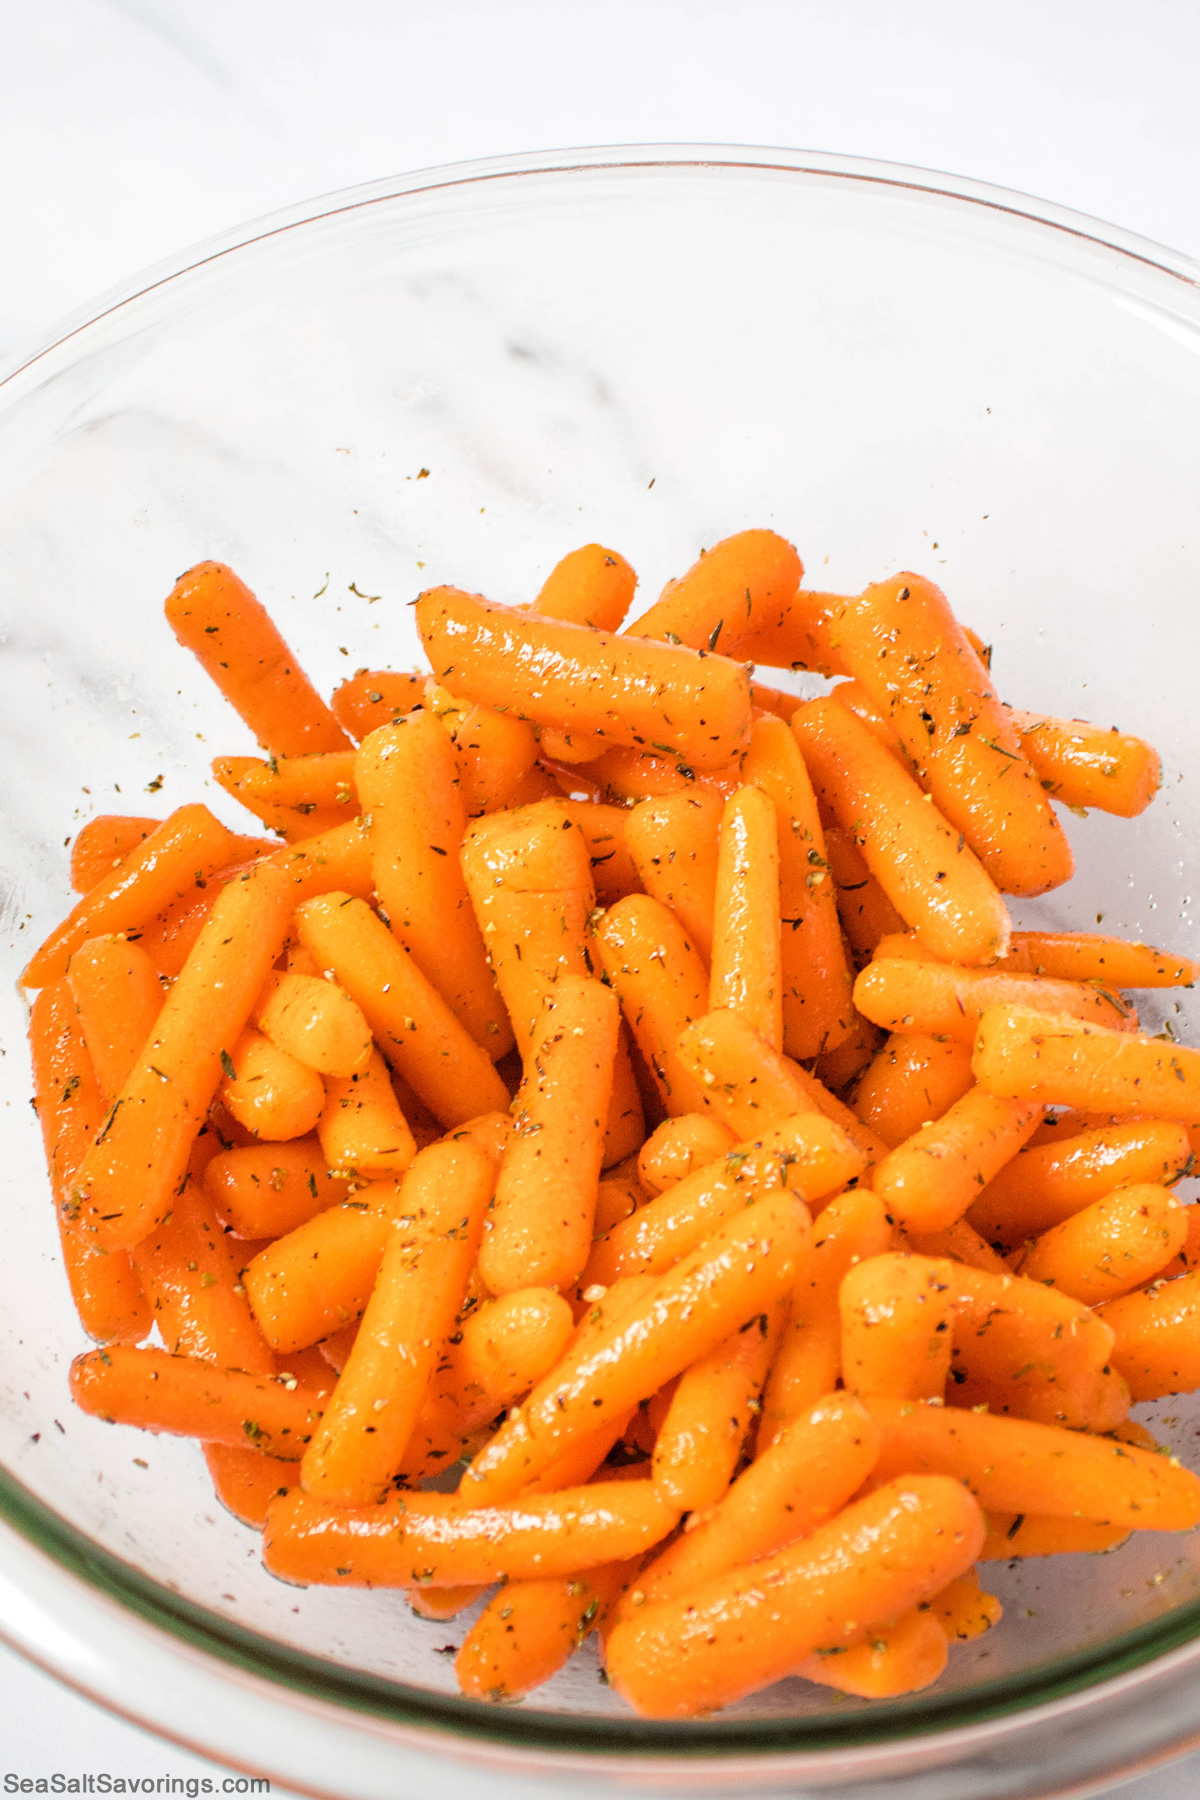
(130,128)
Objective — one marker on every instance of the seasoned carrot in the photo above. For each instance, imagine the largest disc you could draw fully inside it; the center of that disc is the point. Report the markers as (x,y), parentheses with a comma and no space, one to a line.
(540,1231)
(806,638)
(191,1274)
(268,1091)
(924,865)
(1013,1465)
(605,830)
(897,1318)
(866,913)
(774,700)
(961,1243)
(1188,1254)
(673,842)
(1084,765)
(807,1154)
(901,642)
(661,984)
(67,1099)
(741,589)
(742,1269)
(118,997)
(1075,956)
(217,618)
(897,1657)
(319,1276)
(415,818)
(963,1610)
(1032,1534)
(1072,1062)
(746,975)
(177,857)
(188,1398)
(410,1021)
(1010,1330)
(362,1128)
(1157,1347)
(678,1147)
(930,1180)
(103,843)
(839,1068)
(1110,1247)
(446,1544)
(294,795)
(125,1182)
(246,1482)
(267,1190)
(912,1081)
(625,776)
(741,1630)
(945,1000)
(316,1022)
(616,1200)
(590,586)
(489,1133)
(851,1228)
(495,753)
(700,1440)
(683,702)
(529,1630)
(375,697)
(433,1237)
(333,861)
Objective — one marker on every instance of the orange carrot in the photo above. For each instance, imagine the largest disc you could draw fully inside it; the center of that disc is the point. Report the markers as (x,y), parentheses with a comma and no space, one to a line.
(266,1190)
(898,1657)
(961,1243)
(1158,1343)
(1032,1534)
(839,1068)
(741,590)
(269,1092)
(945,1000)
(319,1276)
(711,1410)
(315,1022)
(103,843)
(375,697)
(191,1274)
(963,1610)
(678,1147)
(333,861)
(362,1128)
(495,753)
(930,1180)
(118,997)
(806,638)
(687,704)
(866,913)
(189,1398)
(625,776)
(217,618)
(912,1081)
(246,1482)
(673,842)
(661,984)
(924,865)
(529,1630)
(605,829)
(296,796)
(540,1231)
(746,975)
(1084,765)
(1110,1247)
(897,1317)
(1072,1062)
(742,1630)
(1075,956)
(590,586)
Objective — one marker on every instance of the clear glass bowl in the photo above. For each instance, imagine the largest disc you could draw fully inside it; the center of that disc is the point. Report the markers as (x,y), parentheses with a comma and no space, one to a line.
(458,377)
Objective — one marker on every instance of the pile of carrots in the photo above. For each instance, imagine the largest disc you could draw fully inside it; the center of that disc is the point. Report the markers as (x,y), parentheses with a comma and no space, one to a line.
(623,1082)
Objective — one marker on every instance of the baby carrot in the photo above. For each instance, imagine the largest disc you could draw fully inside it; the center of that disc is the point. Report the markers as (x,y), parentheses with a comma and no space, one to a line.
(673,842)
(961,1243)
(746,972)
(1084,765)
(333,861)
(495,753)
(436,1541)
(1073,1062)
(899,1657)
(806,638)
(742,1269)
(415,817)
(69,1105)
(901,641)
(433,1237)
(296,795)
(605,831)
(625,776)
(866,913)
(315,1022)
(362,1128)
(816,980)
(267,1190)
(104,842)
(540,1230)
(375,697)
(269,1092)
(912,1081)
(1158,1337)
(739,1631)
(590,586)
(409,1020)
(1013,1465)
(217,618)
(682,702)
(661,984)
(897,1318)
(189,1398)
(924,866)
(963,1610)
(839,1068)
(177,857)
(930,1180)
(1032,1534)
(319,1276)
(1076,956)
(944,1000)
(741,589)
(700,1440)
(246,1482)
(118,997)
(1110,1247)
(125,1182)
(529,1630)
(678,1147)
(191,1274)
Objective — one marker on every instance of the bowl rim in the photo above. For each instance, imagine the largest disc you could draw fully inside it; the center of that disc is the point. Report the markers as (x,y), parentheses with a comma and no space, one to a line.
(306,1675)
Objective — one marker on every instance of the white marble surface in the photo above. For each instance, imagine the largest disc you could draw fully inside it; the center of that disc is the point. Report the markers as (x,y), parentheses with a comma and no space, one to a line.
(129,128)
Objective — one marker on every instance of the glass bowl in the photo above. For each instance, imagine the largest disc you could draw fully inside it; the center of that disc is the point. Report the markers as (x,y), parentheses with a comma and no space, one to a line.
(458,377)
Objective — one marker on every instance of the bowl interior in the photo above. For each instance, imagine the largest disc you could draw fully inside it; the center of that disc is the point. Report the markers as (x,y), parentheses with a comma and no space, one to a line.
(459,382)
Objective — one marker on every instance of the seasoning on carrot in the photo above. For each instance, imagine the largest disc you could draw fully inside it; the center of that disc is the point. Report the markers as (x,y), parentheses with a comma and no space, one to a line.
(945,1000)
(673,842)
(1073,1062)
(267,1190)
(746,973)
(913,1080)
(589,586)
(1084,765)
(931,1179)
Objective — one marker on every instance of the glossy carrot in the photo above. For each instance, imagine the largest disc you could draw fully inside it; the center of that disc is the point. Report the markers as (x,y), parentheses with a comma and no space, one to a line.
(931,1179)
(319,1276)
(1032,1534)
(529,1630)
(411,1023)
(1084,765)
(296,796)
(742,588)
(589,586)
(1188,1255)
(961,1242)
(898,1657)
(661,984)
(189,1398)
(118,997)
(176,858)
(415,817)
(913,1080)
(673,842)
(269,1092)
(103,843)
(897,1320)
(1110,1247)
(838,1069)
(1157,1347)
(316,1022)
(742,1630)
(191,1275)
(246,1482)
(69,1106)
(217,618)
(1076,956)
(495,753)
(866,913)
(806,637)
(678,1147)
(375,697)
(714,1404)
(125,1183)
(540,1230)
(1072,1062)
(923,864)
(362,1129)
(333,861)
(267,1190)
(605,831)
(945,1000)
(746,975)
(624,776)
(963,1610)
